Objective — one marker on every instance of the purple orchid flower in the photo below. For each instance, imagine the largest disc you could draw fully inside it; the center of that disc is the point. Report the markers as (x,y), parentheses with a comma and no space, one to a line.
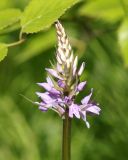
(63,84)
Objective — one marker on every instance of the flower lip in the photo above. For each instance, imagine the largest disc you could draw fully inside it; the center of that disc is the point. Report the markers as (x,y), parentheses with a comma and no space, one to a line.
(67,100)
(74,109)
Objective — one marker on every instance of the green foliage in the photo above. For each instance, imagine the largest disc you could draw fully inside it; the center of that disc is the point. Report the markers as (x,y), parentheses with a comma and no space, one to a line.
(123,40)
(9,17)
(28,134)
(36,45)
(110,10)
(10,28)
(39,14)
(4,4)
(21,134)
(3,51)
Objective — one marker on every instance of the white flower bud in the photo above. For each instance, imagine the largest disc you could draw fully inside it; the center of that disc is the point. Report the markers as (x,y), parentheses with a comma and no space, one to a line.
(81,69)
(75,65)
(67,53)
(58,59)
(71,58)
(68,63)
(74,71)
(59,68)
(75,62)
(61,55)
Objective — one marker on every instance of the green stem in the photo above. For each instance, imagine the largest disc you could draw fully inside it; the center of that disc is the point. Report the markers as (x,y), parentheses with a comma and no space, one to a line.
(15,43)
(66,145)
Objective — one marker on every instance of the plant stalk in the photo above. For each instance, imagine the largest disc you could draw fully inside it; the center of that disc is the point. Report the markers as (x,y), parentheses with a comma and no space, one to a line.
(15,43)
(66,139)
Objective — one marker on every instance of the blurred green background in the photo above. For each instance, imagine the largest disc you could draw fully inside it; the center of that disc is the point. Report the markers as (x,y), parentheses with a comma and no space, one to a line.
(95,28)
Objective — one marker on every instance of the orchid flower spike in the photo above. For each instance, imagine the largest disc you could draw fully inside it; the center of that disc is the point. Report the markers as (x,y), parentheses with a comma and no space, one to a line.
(63,83)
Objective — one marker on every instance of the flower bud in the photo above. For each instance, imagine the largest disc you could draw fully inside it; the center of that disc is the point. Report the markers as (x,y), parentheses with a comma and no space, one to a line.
(81,69)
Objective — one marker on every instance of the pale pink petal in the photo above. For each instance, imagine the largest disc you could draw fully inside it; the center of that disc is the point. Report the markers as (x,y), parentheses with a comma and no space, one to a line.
(45,97)
(83,116)
(93,109)
(86,99)
(54,91)
(45,86)
(53,73)
(74,109)
(43,108)
(81,86)
(49,81)
(61,84)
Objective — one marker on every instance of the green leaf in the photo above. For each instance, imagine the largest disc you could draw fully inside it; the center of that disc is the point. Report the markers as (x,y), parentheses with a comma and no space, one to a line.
(11,28)
(123,40)
(109,10)
(40,14)
(3,51)
(9,17)
(5,4)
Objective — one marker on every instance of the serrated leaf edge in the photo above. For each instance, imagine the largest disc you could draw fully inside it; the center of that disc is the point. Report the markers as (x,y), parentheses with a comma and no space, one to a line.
(27,32)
